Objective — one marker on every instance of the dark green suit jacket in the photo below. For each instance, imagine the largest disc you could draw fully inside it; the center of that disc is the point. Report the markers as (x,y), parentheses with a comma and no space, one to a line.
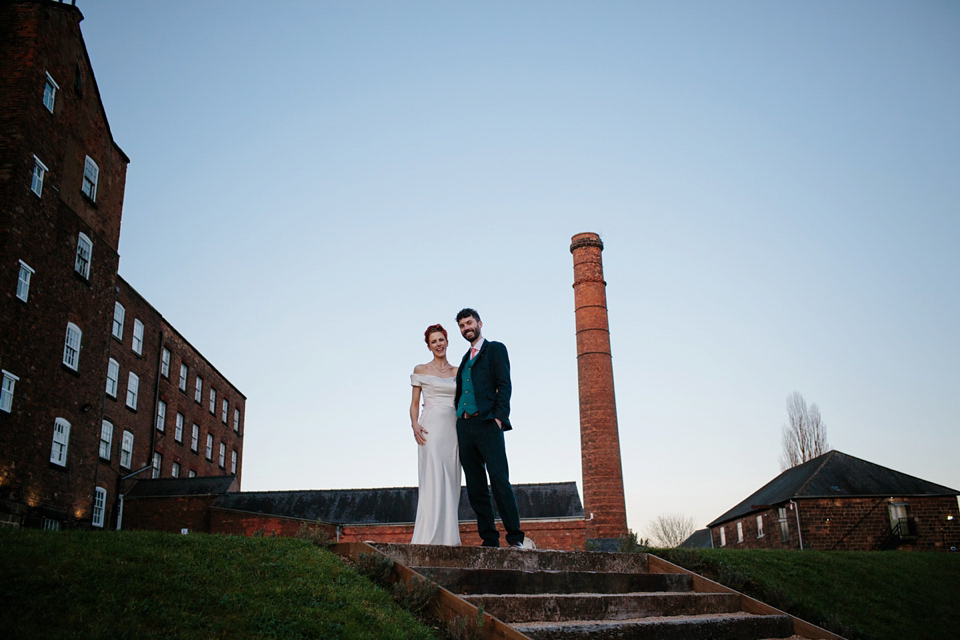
(491,382)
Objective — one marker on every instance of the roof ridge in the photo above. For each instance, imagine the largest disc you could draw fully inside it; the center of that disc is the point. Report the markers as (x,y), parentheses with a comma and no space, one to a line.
(826,458)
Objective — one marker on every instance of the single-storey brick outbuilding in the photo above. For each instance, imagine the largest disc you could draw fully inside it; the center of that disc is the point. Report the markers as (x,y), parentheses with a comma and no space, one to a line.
(839,502)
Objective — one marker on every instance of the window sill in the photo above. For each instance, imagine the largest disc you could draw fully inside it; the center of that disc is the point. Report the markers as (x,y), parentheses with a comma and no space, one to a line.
(70,370)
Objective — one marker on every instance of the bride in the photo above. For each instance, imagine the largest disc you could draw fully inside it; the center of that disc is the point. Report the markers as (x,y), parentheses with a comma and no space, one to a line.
(436,433)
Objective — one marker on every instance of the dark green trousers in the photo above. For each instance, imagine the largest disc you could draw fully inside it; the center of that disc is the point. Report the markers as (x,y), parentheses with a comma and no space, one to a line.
(483,453)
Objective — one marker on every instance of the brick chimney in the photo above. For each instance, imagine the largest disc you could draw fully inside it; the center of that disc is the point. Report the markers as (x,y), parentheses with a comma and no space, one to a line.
(599,436)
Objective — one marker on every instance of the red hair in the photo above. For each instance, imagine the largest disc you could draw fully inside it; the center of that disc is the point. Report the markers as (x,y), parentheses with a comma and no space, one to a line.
(433,329)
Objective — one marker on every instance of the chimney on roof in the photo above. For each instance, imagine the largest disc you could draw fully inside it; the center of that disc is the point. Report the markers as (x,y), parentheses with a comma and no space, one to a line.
(603,497)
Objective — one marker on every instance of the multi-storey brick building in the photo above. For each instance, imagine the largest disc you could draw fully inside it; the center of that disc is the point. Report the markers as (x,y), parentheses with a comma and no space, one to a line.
(70,327)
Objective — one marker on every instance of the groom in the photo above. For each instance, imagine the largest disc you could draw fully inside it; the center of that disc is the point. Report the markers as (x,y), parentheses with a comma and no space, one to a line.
(483,413)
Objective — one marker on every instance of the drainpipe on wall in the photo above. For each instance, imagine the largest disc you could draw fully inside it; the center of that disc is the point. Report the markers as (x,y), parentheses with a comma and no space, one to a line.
(796,510)
(129,475)
(103,412)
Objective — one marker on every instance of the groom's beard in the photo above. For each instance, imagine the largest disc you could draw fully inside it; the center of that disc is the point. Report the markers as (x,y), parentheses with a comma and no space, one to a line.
(470,335)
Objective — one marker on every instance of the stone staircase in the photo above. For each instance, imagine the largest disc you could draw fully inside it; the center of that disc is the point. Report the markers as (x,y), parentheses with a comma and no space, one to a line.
(564,595)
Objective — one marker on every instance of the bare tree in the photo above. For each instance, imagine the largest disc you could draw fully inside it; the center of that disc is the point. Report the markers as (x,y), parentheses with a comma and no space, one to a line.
(671,530)
(805,437)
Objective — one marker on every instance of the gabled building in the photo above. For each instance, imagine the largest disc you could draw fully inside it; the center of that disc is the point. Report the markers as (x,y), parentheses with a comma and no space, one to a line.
(97,388)
(839,502)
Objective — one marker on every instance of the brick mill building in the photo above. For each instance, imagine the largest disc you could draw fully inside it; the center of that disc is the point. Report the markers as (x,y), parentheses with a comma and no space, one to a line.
(839,502)
(98,389)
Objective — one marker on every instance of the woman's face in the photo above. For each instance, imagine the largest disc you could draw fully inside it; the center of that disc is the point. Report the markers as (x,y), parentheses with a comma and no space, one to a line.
(437,344)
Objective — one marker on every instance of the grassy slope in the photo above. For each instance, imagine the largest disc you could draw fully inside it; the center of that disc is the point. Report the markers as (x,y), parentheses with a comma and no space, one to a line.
(860,595)
(151,585)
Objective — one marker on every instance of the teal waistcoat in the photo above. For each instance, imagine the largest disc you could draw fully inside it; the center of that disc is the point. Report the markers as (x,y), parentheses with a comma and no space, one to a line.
(468,399)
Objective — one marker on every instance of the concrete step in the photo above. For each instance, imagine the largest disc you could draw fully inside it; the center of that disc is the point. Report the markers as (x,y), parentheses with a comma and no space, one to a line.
(739,626)
(489,581)
(596,606)
(422,555)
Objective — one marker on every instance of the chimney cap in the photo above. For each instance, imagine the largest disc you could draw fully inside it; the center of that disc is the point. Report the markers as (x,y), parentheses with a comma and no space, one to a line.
(585,240)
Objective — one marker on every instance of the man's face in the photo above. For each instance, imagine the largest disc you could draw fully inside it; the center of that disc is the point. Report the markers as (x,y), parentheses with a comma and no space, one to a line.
(470,328)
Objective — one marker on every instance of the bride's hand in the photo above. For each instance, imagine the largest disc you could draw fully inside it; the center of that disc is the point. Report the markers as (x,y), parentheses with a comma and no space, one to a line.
(419,433)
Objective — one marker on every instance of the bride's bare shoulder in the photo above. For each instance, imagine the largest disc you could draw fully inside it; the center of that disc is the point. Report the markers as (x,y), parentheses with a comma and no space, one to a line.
(420,368)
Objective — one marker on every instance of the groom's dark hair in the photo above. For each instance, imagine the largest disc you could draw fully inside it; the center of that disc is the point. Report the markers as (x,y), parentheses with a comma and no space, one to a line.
(466,313)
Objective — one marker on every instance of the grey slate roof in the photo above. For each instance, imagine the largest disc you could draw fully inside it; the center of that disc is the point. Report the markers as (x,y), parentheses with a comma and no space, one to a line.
(166,487)
(360,506)
(833,475)
(699,539)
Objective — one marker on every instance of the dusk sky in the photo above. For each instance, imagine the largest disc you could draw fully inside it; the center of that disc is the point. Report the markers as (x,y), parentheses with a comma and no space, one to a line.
(777,186)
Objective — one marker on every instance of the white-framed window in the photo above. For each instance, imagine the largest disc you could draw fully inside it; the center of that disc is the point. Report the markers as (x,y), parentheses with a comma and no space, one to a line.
(133,388)
(50,93)
(118,313)
(49,524)
(195,437)
(192,474)
(157,465)
(210,447)
(223,455)
(113,375)
(723,536)
(99,505)
(784,524)
(6,391)
(126,450)
(71,346)
(739,531)
(175,470)
(178,430)
(224,411)
(198,392)
(183,377)
(165,363)
(91,176)
(84,255)
(61,440)
(760,526)
(233,462)
(213,401)
(39,171)
(106,439)
(23,281)
(236,420)
(161,415)
(137,337)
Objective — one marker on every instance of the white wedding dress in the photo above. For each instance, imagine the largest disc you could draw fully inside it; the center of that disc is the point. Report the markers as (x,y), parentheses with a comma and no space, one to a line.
(439,464)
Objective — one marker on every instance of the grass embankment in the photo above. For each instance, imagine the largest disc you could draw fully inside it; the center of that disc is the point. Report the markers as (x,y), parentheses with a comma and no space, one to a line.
(868,595)
(75,584)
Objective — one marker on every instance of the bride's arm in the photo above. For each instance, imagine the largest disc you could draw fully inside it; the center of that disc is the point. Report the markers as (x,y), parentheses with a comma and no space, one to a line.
(418,432)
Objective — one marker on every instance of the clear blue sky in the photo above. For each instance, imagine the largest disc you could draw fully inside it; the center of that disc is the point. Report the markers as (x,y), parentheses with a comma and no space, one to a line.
(776,184)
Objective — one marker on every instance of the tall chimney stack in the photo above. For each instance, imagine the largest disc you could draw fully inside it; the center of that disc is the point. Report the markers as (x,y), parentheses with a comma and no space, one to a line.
(603,499)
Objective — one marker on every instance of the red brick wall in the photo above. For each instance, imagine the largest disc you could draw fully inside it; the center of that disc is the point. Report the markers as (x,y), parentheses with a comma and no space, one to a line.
(170,514)
(198,413)
(850,524)
(566,535)
(196,513)
(36,38)
(599,437)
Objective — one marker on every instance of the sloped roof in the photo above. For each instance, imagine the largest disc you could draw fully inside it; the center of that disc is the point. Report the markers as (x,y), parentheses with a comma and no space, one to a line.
(832,475)
(167,487)
(699,539)
(358,506)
